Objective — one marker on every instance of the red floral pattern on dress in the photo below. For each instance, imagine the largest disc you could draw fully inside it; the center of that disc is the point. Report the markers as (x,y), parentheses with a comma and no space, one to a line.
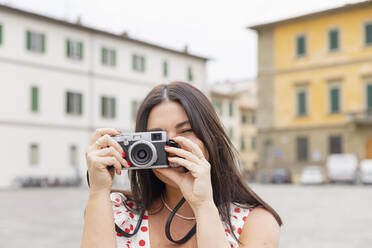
(128,221)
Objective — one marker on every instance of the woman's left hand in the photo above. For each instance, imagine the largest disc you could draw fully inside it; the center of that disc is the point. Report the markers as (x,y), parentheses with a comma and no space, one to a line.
(195,185)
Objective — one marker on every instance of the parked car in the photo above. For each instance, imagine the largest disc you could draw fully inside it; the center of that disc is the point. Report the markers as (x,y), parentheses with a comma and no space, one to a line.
(366,171)
(312,175)
(342,168)
(264,176)
(281,175)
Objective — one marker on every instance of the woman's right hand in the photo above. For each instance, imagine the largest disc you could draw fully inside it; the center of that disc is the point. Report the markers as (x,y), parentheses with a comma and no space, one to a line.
(101,153)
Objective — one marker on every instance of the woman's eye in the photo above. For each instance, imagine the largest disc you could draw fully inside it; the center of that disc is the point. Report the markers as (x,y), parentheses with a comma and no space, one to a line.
(185,131)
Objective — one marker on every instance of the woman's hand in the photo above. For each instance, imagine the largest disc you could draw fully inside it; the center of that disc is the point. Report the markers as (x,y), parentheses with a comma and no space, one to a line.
(102,152)
(195,185)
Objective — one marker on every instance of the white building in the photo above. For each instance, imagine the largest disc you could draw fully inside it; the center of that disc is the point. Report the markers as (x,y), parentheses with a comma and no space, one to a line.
(60,81)
(235,103)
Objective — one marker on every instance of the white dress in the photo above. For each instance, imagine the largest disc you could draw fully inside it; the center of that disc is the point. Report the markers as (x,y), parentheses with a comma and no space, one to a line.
(127,221)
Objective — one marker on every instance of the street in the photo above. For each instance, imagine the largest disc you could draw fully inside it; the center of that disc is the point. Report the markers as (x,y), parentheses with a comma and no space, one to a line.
(314,216)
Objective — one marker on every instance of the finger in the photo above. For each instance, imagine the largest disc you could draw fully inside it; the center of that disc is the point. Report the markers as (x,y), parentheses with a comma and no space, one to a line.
(192,167)
(110,161)
(182,153)
(106,141)
(101,132)
(190,146)
(111,152)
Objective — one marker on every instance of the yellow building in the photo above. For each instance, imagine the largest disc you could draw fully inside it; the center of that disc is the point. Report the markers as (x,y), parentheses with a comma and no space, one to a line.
(315,87)
(235,103)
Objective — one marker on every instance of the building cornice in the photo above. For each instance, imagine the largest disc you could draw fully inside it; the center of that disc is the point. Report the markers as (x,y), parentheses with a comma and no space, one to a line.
(313,15)
(96,31)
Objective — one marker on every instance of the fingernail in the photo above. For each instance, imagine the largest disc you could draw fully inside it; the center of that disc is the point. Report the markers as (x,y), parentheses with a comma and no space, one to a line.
(166,146)
(129,164)
(118,131)
(124,155)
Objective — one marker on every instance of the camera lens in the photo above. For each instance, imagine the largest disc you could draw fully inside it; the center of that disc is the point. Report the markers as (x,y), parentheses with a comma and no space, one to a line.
(142,154)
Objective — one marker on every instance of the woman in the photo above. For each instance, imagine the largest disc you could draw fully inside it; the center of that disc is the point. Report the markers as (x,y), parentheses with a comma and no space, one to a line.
(227,213)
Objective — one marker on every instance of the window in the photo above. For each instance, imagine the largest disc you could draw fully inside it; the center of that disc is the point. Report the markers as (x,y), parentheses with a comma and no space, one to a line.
(334,99)
(74,103)
(302,149)
(253,143)
(231,108)
(333,40)
(108,107)
(165,68)
(253,118)
(135,106)
(35,42)
(244,118)
(368,33)
(301,45)
(138,63)
(108,57)
(1,34)
(218,106)
(335,144)
(34,99)
(369,97)
(74,49)
(242,143)
(34,154)
(73,156)
(190,75)
(301,102)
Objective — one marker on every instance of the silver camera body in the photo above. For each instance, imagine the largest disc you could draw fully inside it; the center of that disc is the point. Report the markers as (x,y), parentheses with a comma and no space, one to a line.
(145,150)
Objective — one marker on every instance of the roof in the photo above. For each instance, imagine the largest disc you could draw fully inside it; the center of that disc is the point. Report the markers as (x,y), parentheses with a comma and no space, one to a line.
(94,30)
(336,10)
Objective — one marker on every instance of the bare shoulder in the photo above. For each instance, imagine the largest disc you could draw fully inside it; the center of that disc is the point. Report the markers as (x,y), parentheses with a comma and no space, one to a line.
(261,230)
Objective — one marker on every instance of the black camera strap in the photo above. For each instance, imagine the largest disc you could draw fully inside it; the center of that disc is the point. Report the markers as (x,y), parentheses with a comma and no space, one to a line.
(187,237)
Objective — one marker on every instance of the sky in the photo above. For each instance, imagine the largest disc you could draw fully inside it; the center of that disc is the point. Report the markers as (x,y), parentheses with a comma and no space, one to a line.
(216,29)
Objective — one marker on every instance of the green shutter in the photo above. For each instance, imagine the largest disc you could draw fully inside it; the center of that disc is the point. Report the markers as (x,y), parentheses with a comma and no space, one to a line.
(43,43)
(34,99)
(301,45)
(68,102)
(103,106)
(189,74)
(1,34)
(28,40)
(68,48)
(80,102)
(335,100)
(368,34)
(113,57)
(231,109)
(165,68)
(302,108)
(81,50)
(134,64)
(369,97)
(143,63)
(103,55)
(113,107)
(333,40)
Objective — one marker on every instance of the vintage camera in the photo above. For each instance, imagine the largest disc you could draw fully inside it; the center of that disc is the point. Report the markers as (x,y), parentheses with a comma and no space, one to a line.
(145,150)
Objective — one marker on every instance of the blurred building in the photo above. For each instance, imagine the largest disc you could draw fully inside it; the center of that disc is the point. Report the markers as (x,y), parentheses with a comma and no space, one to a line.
(60,81)
(315,87)
(235,103)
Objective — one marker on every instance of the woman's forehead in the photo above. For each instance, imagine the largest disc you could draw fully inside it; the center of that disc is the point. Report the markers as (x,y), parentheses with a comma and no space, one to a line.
(166,115)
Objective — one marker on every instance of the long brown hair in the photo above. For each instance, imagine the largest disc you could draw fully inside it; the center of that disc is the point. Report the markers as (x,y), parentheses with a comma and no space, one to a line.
(227,182)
